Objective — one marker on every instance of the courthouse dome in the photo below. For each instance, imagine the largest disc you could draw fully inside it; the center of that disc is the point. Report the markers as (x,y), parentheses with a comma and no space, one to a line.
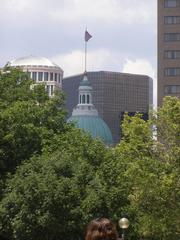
(95,126)
(32,61)
(85,115)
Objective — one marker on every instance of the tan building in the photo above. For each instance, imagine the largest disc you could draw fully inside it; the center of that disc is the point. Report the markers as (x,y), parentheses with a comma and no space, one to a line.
(168,49)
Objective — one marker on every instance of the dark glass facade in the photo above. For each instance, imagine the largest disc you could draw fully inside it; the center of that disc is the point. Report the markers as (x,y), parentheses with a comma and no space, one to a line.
(113,93)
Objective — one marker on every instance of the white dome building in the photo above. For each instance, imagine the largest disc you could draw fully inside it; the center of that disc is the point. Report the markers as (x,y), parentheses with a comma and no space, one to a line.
(41,70)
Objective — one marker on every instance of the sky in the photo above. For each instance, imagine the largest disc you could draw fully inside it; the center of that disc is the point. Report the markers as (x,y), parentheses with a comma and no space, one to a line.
(124,34)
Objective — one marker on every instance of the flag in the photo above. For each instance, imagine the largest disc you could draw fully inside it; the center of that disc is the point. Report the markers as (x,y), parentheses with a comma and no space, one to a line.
(87,36)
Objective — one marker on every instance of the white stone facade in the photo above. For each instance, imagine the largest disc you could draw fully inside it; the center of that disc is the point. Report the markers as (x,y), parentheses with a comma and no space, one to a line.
(41,70)
(85,105)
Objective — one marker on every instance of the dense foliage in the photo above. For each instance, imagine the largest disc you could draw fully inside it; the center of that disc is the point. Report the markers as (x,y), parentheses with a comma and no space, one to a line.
(55,178)
(48,197)
(27,118)
(153,168)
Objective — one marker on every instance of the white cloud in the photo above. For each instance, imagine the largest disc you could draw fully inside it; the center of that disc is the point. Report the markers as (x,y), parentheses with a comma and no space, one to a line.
(107,10)
(138,66)
(18,5)
(73,63)
(142,66)
(84,11)
(70,10)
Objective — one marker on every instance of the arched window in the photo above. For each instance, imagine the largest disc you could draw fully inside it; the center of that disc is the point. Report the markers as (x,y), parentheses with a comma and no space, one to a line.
(88,98)
(83,99)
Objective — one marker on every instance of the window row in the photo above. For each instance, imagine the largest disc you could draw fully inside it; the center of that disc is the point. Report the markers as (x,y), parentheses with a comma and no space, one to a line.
(171,3)
(172,19)
(84,98)
(172,54)
(172,89)
(45,76)
(172,72)
(171,37)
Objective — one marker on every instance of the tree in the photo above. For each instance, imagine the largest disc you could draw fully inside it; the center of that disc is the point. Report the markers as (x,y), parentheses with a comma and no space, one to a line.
(62,178)
(54,195)
(152,170)
(27,118)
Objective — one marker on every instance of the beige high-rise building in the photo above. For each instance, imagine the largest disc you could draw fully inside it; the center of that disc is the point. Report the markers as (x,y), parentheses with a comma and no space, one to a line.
(168,49)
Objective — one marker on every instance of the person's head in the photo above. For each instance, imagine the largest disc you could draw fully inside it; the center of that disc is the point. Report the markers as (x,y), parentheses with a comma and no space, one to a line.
(101,229)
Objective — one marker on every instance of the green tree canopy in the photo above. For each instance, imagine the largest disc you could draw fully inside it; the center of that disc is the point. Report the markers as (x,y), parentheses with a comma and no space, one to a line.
(27,118)
(152,170)
(65,178)
(54,195)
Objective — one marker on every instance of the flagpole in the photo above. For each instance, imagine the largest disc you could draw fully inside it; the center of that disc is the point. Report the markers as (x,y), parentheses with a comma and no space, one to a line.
(85,55)
(86,38)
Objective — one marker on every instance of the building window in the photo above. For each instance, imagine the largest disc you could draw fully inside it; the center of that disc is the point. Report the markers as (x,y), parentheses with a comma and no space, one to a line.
(172,54)
(59,78)
(55,77)
(172,19)
(48,89)
(46,76)
(29,74)
(80,99)
(40,76)
(171,3)
(52,89)
(172,72)
(172,89)
(172,37)
(83,99)
(51,76)
(88,98)
(34,76)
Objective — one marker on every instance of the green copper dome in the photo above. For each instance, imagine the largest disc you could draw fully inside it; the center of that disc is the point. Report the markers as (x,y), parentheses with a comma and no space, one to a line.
(85,81)
(95,126)
(85,115)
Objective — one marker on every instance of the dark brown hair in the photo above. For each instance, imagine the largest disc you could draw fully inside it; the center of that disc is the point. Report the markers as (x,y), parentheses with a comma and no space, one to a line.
(101,229)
